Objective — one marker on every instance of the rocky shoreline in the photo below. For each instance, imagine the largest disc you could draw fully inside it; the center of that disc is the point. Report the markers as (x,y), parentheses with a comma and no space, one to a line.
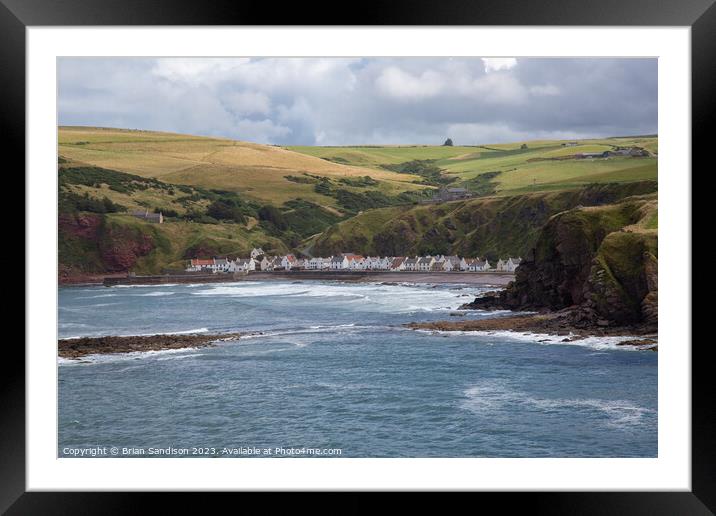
(83,346)
(553,323)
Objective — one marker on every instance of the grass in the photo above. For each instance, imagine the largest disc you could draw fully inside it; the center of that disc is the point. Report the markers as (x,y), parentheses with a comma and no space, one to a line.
(492,226)
(521,170)
(177,238)
(258,171)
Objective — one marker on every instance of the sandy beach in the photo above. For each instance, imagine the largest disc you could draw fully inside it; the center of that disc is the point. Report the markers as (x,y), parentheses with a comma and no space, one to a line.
(473,278)
(495,279)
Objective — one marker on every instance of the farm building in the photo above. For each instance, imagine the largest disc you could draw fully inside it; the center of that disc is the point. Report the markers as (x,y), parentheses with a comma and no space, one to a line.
(149,217)
(451,194)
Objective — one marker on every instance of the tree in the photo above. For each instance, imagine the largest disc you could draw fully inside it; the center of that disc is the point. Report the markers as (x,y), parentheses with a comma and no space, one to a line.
(523,146)
(272,214)
(448,143)
(223,209)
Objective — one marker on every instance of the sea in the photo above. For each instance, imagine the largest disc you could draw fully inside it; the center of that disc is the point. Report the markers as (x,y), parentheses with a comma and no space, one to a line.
(328,369)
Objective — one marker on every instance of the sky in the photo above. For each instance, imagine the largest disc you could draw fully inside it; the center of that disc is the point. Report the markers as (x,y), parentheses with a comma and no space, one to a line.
(351,101)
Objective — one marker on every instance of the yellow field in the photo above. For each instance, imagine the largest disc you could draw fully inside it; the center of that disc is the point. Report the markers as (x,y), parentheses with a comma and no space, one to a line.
(258,171)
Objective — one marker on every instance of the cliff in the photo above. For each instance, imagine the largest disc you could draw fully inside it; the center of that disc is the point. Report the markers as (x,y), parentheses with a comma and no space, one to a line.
(91,245)
(600,263)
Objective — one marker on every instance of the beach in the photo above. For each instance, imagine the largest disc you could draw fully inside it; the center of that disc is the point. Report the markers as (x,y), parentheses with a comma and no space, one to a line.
(493,279)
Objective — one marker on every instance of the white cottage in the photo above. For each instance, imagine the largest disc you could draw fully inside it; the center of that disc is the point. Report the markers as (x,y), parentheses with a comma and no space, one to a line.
(478,265)
(356,263)
(288,261)
(266,263)
(411,264)
(244,265)
(512,264)
(339,262)
(425,263)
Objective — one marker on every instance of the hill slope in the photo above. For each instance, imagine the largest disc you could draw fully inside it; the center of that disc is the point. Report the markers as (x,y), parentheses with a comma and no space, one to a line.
(530,166)
(258,171)
(491,226)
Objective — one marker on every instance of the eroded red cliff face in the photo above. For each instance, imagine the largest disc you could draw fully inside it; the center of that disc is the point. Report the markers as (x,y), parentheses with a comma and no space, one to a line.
(81,225)
(90,246)
(121,247)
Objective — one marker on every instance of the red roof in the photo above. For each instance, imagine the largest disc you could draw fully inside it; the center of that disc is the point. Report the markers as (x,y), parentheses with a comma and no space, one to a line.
(198,261)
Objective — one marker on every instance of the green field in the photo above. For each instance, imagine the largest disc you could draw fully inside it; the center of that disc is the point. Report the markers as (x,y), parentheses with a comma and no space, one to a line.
(532,169)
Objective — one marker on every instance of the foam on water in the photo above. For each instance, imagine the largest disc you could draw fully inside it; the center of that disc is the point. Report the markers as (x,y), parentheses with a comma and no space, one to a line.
(176,332)
(337,329)
(545,339)
(491,396)
(121,357)
(373,296)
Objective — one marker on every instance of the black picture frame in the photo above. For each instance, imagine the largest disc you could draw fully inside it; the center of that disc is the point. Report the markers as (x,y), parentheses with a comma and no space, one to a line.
(700,15)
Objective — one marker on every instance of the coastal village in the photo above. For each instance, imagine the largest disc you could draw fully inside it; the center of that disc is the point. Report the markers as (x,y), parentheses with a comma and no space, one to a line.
(260,261)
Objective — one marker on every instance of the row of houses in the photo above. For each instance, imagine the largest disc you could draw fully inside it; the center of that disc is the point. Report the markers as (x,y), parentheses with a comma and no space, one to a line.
(352,262)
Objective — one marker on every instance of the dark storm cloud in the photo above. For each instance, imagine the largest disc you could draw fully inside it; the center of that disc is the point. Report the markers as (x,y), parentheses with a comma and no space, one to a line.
(331,101)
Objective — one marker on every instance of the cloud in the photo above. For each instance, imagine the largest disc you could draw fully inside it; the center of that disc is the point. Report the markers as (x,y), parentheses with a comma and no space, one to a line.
(248,102)
(401,85)
(544,90)
(341,101)
(494,64)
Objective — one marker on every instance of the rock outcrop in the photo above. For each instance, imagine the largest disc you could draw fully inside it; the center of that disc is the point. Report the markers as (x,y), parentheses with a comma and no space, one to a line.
(598,262)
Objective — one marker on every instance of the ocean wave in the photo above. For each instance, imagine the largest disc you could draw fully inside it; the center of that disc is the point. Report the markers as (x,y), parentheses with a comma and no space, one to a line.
(545,339)
(491,396)
(317,329)
(121,357)
(370,297)
(97,335)
(153,285)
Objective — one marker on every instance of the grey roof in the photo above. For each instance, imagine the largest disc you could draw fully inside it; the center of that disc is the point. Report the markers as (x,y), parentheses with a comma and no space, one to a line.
(145,215)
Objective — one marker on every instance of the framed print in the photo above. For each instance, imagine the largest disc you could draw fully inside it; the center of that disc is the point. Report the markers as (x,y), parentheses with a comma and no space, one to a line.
(418,253)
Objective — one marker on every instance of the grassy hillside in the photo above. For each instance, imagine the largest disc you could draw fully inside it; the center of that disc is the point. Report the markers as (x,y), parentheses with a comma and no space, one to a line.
(92,243)
(602,260)
(492,226)
(97,233)
(256,171)
(223,197)
(541,166)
